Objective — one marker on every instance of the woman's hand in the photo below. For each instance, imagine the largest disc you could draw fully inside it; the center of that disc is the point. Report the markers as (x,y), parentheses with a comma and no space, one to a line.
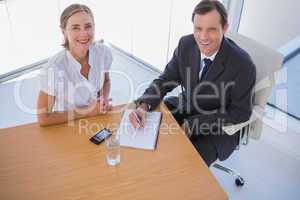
(93,109)
(104,105)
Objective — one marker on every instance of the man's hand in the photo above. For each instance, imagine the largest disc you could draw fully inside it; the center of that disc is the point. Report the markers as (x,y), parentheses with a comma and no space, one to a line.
(186,129)
(137,117)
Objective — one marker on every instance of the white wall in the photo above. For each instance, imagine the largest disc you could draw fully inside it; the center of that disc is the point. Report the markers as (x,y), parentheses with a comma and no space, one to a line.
(29,32)
(273,23)
(140,27)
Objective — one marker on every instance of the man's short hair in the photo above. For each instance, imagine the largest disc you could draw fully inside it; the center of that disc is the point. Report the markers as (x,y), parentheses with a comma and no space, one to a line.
(206,6)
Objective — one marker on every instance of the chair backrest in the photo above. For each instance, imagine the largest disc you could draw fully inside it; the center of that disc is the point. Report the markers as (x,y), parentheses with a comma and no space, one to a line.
(267,61)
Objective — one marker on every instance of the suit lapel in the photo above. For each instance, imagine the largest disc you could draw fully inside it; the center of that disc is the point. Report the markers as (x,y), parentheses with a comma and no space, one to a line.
(195,65)
(218,66)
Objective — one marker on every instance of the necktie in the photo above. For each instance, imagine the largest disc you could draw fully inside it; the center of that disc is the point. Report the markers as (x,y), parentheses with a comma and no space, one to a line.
(207,63)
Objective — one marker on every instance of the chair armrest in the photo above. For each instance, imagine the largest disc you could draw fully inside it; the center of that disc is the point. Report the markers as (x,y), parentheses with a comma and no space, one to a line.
(258,112)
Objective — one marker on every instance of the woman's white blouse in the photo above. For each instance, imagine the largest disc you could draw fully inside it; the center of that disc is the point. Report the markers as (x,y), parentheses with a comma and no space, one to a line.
(62,79)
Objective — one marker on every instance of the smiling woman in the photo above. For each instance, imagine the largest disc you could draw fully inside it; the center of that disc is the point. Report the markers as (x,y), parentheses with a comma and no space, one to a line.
(72,20)
(75,82)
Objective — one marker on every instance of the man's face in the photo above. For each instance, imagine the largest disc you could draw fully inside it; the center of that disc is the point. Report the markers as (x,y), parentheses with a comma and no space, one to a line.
(208,32)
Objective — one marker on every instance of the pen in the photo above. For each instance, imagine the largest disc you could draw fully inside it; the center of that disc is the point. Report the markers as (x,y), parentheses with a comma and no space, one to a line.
(138,119)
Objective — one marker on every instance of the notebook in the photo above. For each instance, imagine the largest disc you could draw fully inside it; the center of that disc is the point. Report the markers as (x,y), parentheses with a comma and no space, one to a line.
(143,138)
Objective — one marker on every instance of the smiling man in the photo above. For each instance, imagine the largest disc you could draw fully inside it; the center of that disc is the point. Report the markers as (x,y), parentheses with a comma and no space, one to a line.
(217,79)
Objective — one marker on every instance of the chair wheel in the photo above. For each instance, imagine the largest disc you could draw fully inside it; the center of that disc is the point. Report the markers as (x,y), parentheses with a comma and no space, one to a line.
(239,181)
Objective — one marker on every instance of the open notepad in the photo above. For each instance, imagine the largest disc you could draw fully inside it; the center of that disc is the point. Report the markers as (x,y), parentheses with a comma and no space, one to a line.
(144,138)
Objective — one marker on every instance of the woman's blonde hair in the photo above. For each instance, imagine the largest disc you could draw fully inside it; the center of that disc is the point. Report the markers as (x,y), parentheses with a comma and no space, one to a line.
(68,12)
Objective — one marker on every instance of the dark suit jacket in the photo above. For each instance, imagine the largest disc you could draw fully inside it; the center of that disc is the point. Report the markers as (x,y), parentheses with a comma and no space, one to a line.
(224,96)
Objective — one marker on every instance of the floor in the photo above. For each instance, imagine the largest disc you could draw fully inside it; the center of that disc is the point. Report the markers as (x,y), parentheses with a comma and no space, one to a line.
(270,166)
(287,87)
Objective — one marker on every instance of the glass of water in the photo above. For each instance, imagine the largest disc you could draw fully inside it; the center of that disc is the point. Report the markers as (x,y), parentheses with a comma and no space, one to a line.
(112,144)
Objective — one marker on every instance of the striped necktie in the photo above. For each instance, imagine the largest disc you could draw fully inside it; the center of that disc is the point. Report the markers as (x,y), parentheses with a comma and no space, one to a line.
(207,63)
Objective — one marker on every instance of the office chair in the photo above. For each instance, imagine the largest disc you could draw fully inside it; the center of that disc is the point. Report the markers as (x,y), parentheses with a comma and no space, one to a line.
(267,62)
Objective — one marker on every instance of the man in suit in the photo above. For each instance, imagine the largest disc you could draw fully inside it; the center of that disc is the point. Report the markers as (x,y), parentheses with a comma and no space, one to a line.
(217,79)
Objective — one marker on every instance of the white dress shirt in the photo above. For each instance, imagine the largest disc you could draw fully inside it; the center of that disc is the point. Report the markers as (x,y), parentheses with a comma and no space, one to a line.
(62,79)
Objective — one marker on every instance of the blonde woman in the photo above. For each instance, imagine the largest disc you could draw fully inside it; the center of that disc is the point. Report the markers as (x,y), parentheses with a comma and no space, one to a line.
(75,83)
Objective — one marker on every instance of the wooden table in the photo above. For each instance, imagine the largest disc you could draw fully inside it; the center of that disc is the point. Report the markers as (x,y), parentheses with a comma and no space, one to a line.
(59,162)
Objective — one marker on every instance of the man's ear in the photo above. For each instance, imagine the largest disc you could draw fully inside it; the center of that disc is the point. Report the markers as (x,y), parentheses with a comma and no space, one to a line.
(226,27)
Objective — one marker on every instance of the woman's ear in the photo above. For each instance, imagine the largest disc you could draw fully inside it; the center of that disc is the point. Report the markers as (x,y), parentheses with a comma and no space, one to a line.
(64,34)
(62,31)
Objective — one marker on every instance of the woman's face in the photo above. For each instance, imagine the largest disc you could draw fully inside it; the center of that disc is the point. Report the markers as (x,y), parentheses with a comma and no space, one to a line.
(79,32)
